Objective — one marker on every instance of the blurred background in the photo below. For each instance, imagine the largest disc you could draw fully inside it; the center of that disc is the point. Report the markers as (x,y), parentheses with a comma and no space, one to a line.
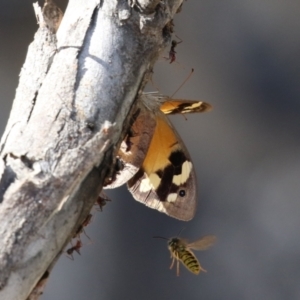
(246,56)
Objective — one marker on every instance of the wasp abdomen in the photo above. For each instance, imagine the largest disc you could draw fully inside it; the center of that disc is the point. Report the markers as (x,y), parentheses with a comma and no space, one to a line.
(190,261)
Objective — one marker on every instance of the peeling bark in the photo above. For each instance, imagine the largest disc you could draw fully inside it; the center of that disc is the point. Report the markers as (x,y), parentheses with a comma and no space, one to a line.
(76,90)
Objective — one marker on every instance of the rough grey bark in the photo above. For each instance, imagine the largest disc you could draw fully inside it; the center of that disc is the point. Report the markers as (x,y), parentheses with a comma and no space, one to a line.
(74,96)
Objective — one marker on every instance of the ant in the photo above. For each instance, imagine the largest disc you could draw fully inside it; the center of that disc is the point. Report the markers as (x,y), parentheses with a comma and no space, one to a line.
(85,223)
(172,52)
(76,248)
(101,200)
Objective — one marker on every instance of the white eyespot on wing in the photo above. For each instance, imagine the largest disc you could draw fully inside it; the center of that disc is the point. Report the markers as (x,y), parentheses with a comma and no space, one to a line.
(185,173)
(150,183)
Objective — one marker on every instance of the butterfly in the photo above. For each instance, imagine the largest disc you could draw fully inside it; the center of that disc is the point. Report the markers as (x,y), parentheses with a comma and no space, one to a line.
(155,162)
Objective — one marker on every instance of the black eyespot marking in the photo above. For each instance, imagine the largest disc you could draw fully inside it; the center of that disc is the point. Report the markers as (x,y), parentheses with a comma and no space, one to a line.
(181,193)
(177,159)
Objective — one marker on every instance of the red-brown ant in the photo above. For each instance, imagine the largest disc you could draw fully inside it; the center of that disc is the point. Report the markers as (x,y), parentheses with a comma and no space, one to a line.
(76,248)
(172,52)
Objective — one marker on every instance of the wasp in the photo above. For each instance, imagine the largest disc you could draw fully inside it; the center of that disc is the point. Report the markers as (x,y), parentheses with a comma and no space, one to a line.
(181,251)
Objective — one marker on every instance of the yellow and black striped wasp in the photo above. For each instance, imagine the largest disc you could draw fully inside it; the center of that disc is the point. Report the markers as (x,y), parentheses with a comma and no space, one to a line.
(181,251)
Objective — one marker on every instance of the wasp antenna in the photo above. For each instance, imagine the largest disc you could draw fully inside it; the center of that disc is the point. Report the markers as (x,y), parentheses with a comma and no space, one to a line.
(159,237)
(180,232)
(191,73)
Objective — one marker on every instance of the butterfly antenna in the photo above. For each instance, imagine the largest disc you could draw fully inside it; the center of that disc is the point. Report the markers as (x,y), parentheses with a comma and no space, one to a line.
(191,73)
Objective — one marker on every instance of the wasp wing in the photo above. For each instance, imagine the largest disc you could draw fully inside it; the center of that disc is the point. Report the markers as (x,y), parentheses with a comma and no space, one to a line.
(203,243)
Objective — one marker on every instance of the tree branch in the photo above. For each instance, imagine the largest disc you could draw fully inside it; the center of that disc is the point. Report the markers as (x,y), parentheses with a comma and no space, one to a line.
(75,93)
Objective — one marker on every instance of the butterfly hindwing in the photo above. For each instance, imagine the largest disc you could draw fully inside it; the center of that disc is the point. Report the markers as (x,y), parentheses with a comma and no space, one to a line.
(166,181)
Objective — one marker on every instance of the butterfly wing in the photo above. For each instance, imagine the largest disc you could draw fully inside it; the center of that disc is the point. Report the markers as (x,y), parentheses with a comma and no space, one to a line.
(134,147)
(166,181)
(181,106)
